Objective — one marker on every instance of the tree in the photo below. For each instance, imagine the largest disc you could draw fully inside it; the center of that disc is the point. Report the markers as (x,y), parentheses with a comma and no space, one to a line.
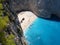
(4,20)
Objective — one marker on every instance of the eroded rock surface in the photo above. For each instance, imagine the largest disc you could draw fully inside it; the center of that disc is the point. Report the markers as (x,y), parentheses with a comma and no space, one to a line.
(42,8)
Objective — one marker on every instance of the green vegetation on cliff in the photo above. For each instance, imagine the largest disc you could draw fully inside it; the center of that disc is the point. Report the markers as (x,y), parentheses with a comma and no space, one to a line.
(4,20)
(10,40)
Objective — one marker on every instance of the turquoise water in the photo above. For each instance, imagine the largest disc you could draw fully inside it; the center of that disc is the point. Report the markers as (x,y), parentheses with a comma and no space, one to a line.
(43,32)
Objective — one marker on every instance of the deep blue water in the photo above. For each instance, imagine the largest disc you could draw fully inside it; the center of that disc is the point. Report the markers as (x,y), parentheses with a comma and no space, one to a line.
(43,32)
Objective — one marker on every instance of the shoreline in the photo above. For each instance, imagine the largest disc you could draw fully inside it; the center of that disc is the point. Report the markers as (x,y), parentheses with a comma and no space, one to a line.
(29,18)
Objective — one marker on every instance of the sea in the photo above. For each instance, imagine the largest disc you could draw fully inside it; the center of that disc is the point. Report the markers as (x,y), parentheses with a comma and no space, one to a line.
(43,32)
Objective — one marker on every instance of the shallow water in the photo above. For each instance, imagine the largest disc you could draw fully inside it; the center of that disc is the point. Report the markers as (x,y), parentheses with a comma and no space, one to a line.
(43,32)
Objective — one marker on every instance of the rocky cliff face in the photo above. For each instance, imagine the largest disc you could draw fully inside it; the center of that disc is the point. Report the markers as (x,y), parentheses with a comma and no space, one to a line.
(42,8)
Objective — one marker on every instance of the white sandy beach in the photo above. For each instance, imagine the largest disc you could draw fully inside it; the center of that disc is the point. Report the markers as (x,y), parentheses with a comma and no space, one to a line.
(26,18)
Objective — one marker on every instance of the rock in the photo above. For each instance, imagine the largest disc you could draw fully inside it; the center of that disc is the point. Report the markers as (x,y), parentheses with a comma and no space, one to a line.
(50,6)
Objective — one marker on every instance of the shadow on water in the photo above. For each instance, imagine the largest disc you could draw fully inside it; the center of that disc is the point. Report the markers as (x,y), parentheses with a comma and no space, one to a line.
(52,18)
(21,5)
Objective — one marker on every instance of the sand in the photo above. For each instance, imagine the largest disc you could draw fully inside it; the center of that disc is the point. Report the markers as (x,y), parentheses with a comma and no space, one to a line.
(27,17)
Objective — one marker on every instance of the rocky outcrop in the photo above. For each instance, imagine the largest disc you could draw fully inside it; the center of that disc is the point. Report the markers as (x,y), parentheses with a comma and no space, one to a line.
(42,8)
(14,25)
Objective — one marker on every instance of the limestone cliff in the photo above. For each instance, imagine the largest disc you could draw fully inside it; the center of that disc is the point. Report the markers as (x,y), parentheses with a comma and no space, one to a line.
(42,8)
